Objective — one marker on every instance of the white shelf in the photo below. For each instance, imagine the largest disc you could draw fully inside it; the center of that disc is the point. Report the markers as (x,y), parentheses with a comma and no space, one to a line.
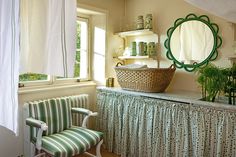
(135,33)
(133,57)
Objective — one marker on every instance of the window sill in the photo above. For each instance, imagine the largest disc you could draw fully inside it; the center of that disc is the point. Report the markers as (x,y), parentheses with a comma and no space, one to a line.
(33,89)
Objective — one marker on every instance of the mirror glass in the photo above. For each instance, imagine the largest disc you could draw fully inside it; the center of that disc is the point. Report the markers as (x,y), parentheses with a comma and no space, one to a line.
(192,42)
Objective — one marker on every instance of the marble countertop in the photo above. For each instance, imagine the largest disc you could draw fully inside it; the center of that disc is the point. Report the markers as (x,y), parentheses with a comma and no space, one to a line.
(177,96)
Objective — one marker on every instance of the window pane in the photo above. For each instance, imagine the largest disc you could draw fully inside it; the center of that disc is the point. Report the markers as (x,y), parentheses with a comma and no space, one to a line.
(78,35)
(81,60)
(77,64)
(99,54)
(33,77)
(83,53)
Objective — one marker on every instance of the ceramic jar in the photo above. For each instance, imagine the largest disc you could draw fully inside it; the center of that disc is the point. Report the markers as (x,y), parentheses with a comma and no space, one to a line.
(140,49)
(145,49)
(148,21)
(110,82)
(151,48)
(133,49)
(140,22)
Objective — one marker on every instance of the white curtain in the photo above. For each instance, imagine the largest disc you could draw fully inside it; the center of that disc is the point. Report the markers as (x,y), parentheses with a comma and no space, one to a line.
(9,63)
(48,37)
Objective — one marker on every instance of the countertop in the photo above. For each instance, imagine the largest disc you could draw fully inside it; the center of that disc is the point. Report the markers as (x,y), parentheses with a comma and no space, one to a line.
(177,96)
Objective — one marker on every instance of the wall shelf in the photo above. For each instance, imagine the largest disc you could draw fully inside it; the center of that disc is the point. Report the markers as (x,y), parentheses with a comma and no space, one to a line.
(135,33)
(144,35)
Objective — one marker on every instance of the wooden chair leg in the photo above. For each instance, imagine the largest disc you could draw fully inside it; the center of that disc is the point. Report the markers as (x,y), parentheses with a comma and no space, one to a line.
(41,153)
(98,149)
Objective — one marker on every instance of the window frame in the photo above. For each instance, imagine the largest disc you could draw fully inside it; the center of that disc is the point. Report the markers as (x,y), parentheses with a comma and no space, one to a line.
(53,79)
(36,82)
(86,19)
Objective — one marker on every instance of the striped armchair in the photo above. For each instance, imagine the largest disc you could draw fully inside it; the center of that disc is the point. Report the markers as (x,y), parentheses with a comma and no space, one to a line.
(52,131)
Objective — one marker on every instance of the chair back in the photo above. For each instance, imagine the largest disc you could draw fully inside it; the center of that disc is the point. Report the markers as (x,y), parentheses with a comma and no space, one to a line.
(56,112)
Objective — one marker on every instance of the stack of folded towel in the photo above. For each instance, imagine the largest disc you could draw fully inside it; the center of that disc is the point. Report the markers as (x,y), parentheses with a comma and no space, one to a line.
(134,66)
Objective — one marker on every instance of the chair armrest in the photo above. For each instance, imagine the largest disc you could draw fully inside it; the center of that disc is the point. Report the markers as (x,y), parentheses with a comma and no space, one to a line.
(36,123)
(42,127)
(86,112)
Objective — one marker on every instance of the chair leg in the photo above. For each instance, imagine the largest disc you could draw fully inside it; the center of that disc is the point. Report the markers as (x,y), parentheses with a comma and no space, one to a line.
(98,148)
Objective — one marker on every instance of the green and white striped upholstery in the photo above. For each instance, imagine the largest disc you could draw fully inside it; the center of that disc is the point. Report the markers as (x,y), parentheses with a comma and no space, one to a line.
(55,112)
(62,139)
(70,142)
(79,101)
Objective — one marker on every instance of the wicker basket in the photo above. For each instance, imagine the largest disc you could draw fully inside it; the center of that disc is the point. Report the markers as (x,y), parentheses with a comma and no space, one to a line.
(145,80)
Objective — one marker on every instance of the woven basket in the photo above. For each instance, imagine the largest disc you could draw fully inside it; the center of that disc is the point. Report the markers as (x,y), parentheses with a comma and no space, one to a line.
(154,80)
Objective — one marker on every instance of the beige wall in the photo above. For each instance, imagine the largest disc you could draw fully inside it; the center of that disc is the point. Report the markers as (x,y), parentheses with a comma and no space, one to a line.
(165,12)
(115,10)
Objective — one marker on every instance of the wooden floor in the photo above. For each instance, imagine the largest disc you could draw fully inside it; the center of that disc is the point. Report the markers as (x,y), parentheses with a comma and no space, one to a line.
(104,153)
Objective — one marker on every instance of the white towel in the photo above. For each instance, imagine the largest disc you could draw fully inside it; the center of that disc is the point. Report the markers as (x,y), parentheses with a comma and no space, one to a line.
(133,66)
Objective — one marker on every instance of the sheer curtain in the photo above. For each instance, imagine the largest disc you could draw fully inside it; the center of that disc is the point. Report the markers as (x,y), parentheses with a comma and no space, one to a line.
(48,45)
(48,37)
(9,63)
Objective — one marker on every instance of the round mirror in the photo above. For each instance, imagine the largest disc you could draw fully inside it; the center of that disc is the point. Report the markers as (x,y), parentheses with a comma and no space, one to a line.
(192,42)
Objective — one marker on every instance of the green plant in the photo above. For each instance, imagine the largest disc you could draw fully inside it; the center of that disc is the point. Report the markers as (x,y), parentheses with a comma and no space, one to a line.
(213,80)
(230,87)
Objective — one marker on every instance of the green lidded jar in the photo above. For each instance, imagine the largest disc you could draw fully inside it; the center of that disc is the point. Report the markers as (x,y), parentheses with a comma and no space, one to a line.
(140,49)
(151,48)
(148,21)
(133,49)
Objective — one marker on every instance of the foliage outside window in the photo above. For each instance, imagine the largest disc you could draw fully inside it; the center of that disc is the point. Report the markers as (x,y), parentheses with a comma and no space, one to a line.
(33,77)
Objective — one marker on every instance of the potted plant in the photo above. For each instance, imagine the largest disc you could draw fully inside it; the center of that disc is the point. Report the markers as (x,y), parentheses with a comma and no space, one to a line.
(213,81)
(230,86)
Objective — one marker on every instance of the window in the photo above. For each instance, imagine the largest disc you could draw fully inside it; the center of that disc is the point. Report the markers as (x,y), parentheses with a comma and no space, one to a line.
(99,54)
(82,53)
(90,52)
(81,63)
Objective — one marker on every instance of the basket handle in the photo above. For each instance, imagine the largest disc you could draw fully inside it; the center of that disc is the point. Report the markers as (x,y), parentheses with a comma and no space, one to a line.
(172,67)
(119,64)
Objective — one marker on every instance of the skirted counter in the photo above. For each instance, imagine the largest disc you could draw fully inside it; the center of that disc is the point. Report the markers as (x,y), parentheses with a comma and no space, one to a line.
(140,124)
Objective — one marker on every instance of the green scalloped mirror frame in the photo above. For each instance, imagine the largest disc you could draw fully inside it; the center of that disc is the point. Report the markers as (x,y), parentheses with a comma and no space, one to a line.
(212,55)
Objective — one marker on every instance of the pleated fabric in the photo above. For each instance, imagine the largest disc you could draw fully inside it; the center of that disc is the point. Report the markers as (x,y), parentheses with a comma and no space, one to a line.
(138,126)
(48,37)
(9,63)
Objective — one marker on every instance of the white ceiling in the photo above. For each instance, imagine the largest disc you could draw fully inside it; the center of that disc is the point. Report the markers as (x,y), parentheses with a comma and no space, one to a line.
(222,8)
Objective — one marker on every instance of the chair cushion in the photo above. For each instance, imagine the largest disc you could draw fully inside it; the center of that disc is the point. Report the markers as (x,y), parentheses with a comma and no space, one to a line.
(55,112)
(70,142)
